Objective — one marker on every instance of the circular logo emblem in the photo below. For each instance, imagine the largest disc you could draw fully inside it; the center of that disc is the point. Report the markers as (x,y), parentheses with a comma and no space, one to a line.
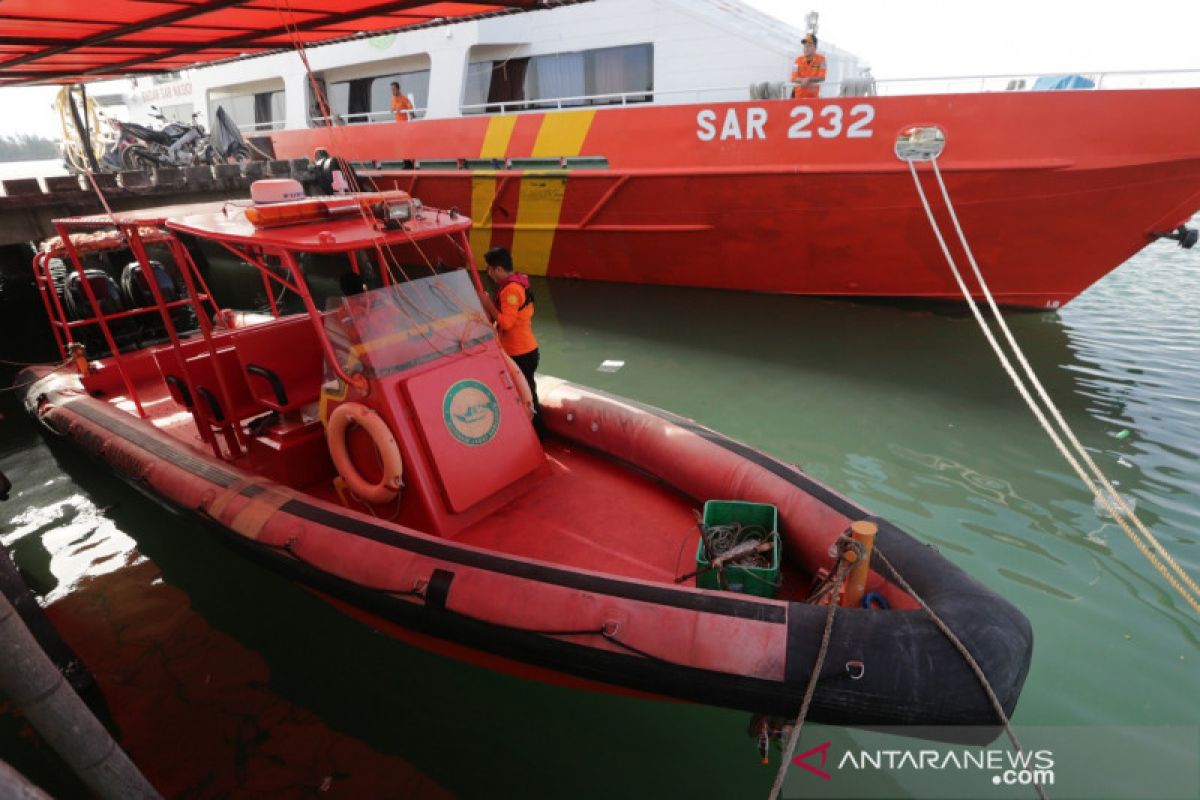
(471,412)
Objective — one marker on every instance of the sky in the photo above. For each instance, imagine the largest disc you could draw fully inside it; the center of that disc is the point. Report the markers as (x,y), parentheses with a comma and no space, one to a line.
(925,38)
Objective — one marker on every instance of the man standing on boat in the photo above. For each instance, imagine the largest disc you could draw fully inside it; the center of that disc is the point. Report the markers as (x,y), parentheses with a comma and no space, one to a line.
(809,70)
(402,107)
(513,312)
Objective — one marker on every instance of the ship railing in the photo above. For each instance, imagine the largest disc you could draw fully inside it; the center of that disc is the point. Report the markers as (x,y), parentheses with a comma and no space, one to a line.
(362,118)
(1126,79)
(851,86)
(258,127)
(678,96)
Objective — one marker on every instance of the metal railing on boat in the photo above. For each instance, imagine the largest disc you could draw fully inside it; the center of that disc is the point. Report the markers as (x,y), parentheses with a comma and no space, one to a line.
(854,86)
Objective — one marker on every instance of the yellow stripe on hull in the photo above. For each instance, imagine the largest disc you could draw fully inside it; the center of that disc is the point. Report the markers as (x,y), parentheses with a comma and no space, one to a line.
(483,194)
(541,197)
(483,183)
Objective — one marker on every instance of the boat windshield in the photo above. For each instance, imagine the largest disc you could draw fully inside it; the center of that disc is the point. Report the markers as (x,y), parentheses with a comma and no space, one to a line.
(407,324)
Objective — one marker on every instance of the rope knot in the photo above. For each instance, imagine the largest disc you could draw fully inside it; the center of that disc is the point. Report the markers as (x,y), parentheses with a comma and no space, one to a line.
(849,551)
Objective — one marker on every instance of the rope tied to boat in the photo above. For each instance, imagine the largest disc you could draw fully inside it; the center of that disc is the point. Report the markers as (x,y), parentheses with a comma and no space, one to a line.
(16,387)
(941,625)
(849,551)
(1120,511)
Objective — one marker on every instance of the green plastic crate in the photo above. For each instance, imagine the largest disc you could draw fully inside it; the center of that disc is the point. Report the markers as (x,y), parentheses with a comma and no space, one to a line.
(760,581)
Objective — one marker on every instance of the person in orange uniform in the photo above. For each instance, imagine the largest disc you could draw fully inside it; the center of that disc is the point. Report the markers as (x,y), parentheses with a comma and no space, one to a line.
(809,70)
(402,107)
(513,312)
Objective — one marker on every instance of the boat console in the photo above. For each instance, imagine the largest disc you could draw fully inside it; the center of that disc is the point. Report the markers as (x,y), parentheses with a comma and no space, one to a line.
(428,363)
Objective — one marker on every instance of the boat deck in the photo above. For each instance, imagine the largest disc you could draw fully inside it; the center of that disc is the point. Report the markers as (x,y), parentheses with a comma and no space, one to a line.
(594,514)
(589,512)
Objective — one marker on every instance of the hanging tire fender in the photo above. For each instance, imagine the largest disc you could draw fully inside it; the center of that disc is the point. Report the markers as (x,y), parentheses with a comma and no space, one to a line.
(389,485)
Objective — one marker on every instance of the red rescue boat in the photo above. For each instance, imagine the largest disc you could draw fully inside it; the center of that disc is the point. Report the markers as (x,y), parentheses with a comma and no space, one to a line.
(376,448)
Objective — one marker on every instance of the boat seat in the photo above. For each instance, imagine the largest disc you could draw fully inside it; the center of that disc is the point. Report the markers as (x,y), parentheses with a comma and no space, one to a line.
(172,369)
(220,410)
(282,362)
(205,404)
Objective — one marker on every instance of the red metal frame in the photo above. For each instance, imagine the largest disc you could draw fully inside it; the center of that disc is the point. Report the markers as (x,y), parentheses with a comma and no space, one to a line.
(63,328)
(249,245)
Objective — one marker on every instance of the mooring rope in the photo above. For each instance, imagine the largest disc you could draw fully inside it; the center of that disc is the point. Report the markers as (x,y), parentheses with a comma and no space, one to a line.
(940,624)
(1050,405)
(1190,593)
(843,566)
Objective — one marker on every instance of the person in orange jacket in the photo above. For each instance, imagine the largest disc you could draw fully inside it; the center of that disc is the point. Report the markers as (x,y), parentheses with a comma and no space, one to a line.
(513,312)
(402,107)
(809,70)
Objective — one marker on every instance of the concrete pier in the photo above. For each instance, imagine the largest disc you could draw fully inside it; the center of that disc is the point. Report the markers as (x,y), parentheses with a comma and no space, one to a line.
(27,205)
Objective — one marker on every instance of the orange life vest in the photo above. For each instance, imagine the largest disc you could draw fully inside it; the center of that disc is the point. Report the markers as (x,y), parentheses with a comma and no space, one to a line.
(515,320)
(401,108)
(806,67)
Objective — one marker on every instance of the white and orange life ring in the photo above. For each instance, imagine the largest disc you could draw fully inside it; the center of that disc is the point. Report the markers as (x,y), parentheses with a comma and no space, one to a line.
(388,486)
(518,379)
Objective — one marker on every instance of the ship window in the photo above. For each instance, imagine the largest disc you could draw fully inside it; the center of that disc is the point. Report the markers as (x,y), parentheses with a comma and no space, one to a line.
(620,70)
(499,84)
(261,111)
(561,75)
(610,75)
(369,99)
(413,84)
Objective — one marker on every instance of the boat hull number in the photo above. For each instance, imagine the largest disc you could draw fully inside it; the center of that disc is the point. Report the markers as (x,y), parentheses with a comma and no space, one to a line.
(804,122)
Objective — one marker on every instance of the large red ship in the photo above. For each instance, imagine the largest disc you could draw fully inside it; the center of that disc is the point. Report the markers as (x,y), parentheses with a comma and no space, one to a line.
(622,140)
(1053,189)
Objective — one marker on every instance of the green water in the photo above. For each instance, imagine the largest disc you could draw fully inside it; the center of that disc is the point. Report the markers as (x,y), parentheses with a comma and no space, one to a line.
(904,410)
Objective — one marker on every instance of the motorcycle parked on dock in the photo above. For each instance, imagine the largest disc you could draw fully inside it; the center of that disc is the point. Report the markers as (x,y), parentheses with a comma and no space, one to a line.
(175,145)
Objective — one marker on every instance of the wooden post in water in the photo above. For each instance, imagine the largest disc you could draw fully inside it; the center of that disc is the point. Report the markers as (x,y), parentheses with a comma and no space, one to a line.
(862,532)
(31,681)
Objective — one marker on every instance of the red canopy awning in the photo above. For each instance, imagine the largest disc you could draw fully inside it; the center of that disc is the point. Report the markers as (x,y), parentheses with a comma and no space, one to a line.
(69,41)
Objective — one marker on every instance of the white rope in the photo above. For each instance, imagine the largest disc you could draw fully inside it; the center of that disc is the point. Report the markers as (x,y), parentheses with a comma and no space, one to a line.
(1045,398)
(941,625)
(1190,594)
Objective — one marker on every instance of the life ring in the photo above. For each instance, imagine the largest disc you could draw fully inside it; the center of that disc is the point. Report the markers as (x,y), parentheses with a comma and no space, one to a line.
(518,379)
(389,452)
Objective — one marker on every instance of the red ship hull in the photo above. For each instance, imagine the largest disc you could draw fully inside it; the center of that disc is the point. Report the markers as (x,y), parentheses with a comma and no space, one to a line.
(1053,189)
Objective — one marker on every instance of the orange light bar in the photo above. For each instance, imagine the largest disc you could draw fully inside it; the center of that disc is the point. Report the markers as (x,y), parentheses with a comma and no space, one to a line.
(319,208)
